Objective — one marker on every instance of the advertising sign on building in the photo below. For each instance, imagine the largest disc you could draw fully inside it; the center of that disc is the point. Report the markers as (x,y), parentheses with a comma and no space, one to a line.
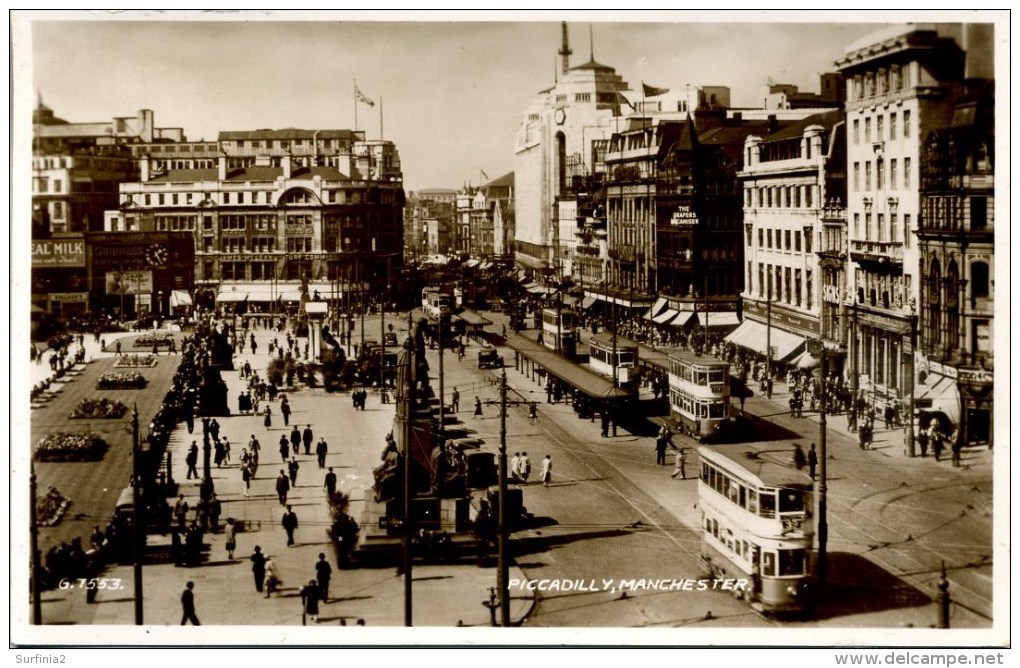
(58,253)
(684,216)
(129,282)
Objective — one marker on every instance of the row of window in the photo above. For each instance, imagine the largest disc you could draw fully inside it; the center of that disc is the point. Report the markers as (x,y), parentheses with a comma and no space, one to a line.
(788,240)
(242,245)
(760,501)
(953,212)
(176,223)
(899,126)
(298,197)
(880,181)
(881,232)
(790,196)
(698,375)
(880,82)
(773,563)
(771,284)
(605,355)
(709,409)
(41,184)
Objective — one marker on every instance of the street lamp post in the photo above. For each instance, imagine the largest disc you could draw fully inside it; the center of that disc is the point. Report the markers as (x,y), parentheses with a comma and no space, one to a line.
(36,561)
(138,530)
(504,566)
(206,490)
(852,338)
(910,379)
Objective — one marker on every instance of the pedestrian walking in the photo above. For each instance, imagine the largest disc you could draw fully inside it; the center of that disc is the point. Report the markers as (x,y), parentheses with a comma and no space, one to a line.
(330,483)
(660,448)
(478,407)
(515,466)
(812,461)
(191,459)
(285,410)
(289,524)
(524,466)
(230,537)
(282,487)
(268,419)
(310,600)
(922,439)
(273,580)
(306,437)
(226,450)
(295,440)
(258,568)
(284,448)
(680,464)
(292,470)
(323,574)
(181,511)
(455,401)
(533,412)
(188,605)
(546,470)
(321,448)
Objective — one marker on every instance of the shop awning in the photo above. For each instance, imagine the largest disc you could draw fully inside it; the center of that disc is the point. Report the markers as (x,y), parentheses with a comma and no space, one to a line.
(231,297)
(587,302)
(753,335)
(291,296)
(471,264)
(939,394)
(682,319)
(719,319)
(664,317)
(656,308)
(805,361)
(316,308)
(180,298)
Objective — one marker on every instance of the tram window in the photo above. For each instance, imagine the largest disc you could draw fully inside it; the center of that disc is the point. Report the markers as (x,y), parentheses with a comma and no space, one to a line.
(791,501)
(752,501)
(702,410)
(716,376)
(742,496)
(704,472)
(712,478)
(724,487)
(717,410)
(768,563)
(733,492)
(791,562)
(627,358)
(767,504)
(700,378)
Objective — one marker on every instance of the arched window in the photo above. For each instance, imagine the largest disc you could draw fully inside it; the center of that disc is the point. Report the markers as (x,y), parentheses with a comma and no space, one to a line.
(979,285)
(952,306)
(933,322)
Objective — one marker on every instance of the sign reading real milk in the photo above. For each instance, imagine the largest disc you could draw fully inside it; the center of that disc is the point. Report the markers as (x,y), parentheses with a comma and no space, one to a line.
(58,252)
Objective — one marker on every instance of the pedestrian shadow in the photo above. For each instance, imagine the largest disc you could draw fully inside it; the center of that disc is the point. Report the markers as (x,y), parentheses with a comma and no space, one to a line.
(539,543)
(856,585)
(431,577)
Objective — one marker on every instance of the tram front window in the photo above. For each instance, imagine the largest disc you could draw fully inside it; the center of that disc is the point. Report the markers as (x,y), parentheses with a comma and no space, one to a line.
(791,562)
(717,410)
(767,504)
(791,501)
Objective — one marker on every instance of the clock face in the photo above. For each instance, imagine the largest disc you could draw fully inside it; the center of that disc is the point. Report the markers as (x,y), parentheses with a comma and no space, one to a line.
(560,116)
(156,255)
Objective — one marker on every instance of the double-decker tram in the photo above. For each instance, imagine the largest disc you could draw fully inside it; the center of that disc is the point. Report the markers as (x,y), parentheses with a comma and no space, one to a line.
(699,393)
(559,331)
(756,524)
(615,359)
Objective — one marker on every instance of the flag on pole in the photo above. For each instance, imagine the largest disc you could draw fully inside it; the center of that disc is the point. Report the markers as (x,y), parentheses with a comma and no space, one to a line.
(652,91)
(485,177)
(361,96)
(621,100)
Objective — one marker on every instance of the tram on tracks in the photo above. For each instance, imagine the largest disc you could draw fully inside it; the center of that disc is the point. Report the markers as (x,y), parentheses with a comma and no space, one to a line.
(756,524)
(614,358)
(559,331)
(699,393)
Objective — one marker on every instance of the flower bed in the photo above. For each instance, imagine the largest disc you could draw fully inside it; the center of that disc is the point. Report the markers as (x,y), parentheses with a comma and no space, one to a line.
(50,509)
(121,380)
(148,341)
(101,409)
(65,447)
(136,361)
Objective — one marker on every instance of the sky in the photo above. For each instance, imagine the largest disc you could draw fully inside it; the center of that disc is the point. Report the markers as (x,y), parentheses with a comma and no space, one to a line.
(450,88)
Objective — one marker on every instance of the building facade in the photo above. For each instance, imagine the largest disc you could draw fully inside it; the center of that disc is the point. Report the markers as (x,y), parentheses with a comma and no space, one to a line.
(793,185)
(898,84)
(956,238)
(275,213)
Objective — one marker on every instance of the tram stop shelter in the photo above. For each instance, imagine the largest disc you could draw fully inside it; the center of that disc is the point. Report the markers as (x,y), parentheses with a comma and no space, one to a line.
(530,357)
(474,323)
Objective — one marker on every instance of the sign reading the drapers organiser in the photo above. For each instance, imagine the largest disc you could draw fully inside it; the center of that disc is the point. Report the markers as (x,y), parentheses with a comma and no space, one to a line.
(684,216)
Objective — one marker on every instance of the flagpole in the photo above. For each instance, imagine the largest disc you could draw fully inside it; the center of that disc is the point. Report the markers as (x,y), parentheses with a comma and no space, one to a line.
(380,119)
(355,105)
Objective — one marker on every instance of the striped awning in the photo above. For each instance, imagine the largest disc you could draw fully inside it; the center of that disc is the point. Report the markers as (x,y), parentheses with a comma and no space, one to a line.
(665,317)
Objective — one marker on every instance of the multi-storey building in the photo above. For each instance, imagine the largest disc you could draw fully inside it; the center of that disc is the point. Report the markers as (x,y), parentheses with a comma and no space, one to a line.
(553,150)
(275,213)
(474,223)
(956,236)
(432,217)
(76,171)
(499,202)
(898,85)
(793,185)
